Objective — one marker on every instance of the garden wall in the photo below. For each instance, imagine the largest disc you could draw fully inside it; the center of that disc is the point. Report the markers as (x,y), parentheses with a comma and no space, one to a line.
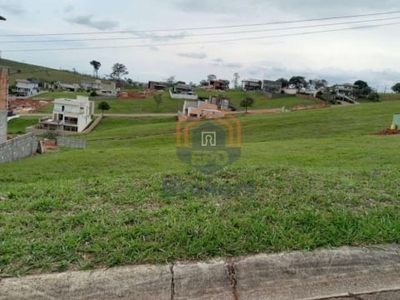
(17,148)
(71,143)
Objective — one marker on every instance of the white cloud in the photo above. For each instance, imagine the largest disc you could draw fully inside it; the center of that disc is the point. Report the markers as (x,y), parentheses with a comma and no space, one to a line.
(88,20)
(193,55)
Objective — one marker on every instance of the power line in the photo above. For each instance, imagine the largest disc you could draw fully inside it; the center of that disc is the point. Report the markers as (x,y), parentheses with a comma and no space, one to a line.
(206,28)
(201,34)
(202,42)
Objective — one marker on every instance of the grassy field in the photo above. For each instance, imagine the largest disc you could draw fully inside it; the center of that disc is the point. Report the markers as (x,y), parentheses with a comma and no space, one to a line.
(148,105)
(19,70)
(305,180)
(55,95)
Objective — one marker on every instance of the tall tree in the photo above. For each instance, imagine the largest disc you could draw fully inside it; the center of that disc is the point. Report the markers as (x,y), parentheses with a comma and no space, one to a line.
(211,77)
(96,66)
(103,105)
(396,88)
(236,78)
(363,89)
(118,70)
(247,102)
(171,80)
(284,82)
(298,81)
(204,83)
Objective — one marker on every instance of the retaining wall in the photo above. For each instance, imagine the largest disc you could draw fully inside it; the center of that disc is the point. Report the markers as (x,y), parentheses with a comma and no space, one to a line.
(71,143)
(17,148)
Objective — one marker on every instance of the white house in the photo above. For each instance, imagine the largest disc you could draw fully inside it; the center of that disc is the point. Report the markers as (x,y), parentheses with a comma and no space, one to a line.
(194,109)
(251,84)
(103,89)
(27,87)
(70,115)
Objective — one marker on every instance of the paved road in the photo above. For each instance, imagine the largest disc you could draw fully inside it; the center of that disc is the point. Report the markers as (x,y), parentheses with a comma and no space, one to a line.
(395,295)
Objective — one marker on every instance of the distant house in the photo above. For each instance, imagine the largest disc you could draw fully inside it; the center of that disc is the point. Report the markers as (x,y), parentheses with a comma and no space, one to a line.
(197,109)
(219,84)
(251,85)
(91,85)
(154,85)
(271,86)
(74,87)
(183,89)
(69,115)
(346,89)
(213,106)
(27,87)
(103,89)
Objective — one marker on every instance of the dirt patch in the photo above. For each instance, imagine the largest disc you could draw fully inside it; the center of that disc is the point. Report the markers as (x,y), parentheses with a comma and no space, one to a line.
(136,94)
(21,106)
(388,132)
(49,145)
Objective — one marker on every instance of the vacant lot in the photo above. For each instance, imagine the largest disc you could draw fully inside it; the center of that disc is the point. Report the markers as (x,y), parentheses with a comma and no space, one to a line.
(168,105)
(305,180)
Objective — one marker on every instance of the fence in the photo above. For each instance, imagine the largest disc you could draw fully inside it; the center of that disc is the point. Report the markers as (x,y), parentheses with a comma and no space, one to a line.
(71,143)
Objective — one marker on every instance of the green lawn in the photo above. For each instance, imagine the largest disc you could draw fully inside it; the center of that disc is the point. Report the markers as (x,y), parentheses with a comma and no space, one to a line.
(18,125)
(148,105)
(305,180)
(55,95)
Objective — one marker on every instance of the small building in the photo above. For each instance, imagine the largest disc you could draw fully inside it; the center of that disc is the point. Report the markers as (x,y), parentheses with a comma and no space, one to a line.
(102,89)
(251,85)
(91,85)
(183,89)
(219,84)
(214,105)
(69,115)
(271,86)
(74,87)
(346,89)
(27,87)
(159,86)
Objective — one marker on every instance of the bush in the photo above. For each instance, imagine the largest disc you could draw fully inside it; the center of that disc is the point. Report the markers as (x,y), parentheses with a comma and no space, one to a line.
(93,94)
(374,97)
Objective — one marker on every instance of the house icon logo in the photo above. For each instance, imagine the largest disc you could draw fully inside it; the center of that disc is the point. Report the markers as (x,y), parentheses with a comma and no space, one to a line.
(208,139)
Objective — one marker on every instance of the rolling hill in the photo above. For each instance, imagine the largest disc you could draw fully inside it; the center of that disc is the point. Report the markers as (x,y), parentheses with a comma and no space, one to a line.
(20,70)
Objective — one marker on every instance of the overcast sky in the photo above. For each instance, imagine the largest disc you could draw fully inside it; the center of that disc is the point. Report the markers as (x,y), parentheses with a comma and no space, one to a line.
(263,52)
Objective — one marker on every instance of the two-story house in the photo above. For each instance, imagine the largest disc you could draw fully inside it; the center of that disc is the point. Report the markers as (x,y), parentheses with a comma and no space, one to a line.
(27,87)
(251,85)
(70,115)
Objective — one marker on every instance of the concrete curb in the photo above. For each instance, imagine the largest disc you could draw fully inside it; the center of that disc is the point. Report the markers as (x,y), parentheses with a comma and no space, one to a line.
(299,275)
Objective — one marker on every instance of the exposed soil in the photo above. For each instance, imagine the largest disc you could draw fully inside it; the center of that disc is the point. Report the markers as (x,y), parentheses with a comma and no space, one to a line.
(49,145)
(388,132)
(136,95)
(21,106)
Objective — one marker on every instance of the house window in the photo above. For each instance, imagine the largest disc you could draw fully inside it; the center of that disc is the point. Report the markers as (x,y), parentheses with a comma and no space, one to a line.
(62,108)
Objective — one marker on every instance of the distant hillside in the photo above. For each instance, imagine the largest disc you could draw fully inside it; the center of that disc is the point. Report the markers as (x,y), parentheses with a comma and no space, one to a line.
(22,71)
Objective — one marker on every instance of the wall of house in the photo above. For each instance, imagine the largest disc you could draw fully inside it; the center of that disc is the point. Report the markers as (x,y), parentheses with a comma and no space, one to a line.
(83,122)
(20,147)
(183,96)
